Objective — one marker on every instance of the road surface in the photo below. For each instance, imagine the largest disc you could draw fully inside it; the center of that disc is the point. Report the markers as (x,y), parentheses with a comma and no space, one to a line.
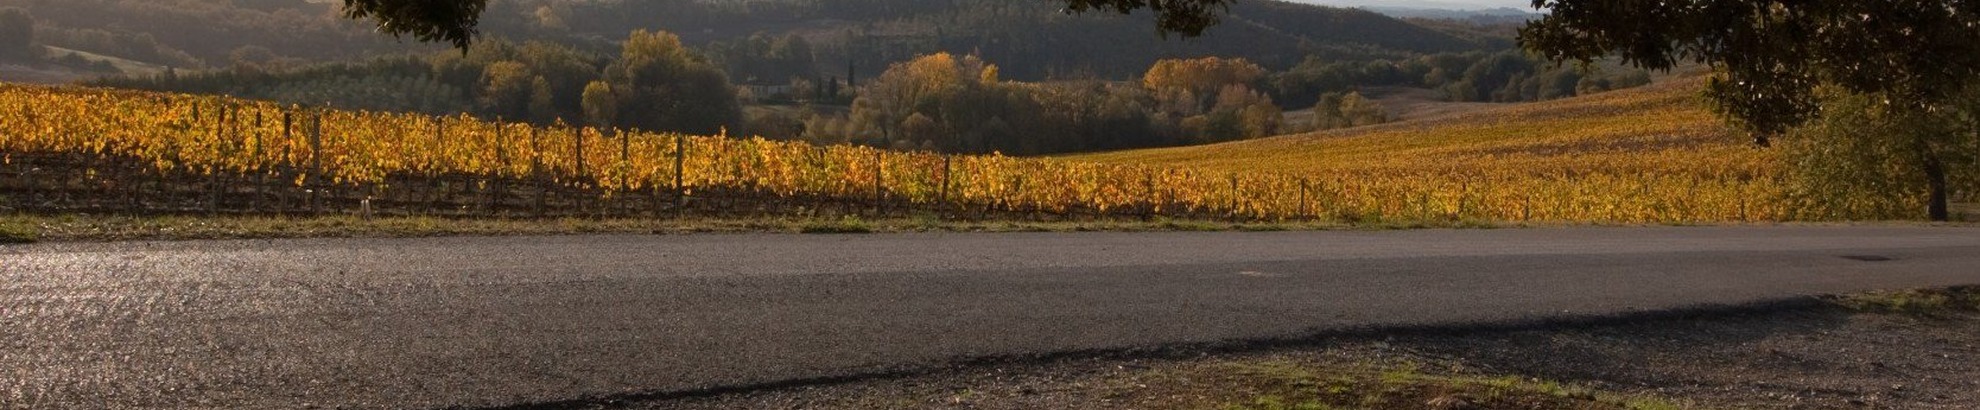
(490,322)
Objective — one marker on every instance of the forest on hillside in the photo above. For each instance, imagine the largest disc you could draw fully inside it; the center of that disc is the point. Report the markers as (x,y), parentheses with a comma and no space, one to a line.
(820,71)
(1035,39)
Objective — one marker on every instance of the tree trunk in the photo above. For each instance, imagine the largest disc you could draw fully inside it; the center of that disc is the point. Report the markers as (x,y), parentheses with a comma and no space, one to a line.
(1935,173)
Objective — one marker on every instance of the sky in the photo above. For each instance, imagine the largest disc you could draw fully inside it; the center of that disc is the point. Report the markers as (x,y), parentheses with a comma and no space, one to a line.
(1441,4)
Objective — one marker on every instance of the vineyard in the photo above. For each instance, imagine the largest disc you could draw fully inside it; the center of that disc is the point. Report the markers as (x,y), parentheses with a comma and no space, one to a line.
(70,149)
(1646,156)
(1654,154)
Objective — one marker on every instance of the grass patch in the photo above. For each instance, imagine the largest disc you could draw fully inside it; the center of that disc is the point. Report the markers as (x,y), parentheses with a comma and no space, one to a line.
(1281,385)
(846,225)
(1185,225)
(1465,223)
(16,232)
(1931,303)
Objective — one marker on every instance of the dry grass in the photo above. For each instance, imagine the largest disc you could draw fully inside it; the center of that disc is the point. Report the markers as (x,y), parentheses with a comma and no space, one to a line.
(1930,303)
(18,232)
(1291,384)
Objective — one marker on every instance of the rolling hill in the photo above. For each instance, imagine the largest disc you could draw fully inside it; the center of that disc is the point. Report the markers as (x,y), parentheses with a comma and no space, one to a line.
(1032,39)
(1656,153)
(1614,132)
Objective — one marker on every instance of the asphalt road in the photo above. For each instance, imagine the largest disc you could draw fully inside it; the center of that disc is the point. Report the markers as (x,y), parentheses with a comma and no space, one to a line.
(473,322)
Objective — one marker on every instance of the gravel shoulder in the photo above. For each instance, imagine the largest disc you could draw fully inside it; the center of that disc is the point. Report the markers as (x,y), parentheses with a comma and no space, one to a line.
(1881,351)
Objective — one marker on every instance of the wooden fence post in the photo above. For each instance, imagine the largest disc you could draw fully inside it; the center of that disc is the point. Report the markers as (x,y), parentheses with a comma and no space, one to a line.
(653,199)
(1526,207)
(1691,201)
(578,143)
(1017,190)
(879,165)
(1742,205)
(500,179)
(28,180)
(25,164)
(625,157)
(1423,206)
(943,196)
(1234,198)
(440,132)
(680,171)
(536,169)
(1302,199)
(1464,196)
(288,138)
(212,173)
(1148,198)
(436,189)
(315,172)
(260,174)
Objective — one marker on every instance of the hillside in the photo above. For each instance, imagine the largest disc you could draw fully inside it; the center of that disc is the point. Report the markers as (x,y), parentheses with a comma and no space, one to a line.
(61,65)
(1649,154)
(204,33)
(1033,40)
(1629,131)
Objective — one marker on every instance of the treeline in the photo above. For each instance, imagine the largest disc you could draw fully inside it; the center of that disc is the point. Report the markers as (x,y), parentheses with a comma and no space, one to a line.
(23,42)
(17,42)
(654,83)
(1035,41)
(947,103)
(942,102)
(794,49)
(1504,76)
(938,102)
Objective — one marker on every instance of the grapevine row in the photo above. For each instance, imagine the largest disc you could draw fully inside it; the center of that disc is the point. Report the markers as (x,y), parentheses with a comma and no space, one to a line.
(203,135)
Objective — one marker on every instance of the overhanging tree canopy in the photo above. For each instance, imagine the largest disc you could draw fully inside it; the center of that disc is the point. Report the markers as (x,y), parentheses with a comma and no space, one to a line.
(1188,17)
(449,21)
(1919,56)
(1774,54)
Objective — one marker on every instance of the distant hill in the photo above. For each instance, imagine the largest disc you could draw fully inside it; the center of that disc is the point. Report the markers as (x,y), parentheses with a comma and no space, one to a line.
(1495,14)
(60,65)
(1031,40)
(204,33)
(1424,4)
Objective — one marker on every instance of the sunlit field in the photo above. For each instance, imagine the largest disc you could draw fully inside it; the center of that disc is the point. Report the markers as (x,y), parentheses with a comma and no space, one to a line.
(1649,155)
